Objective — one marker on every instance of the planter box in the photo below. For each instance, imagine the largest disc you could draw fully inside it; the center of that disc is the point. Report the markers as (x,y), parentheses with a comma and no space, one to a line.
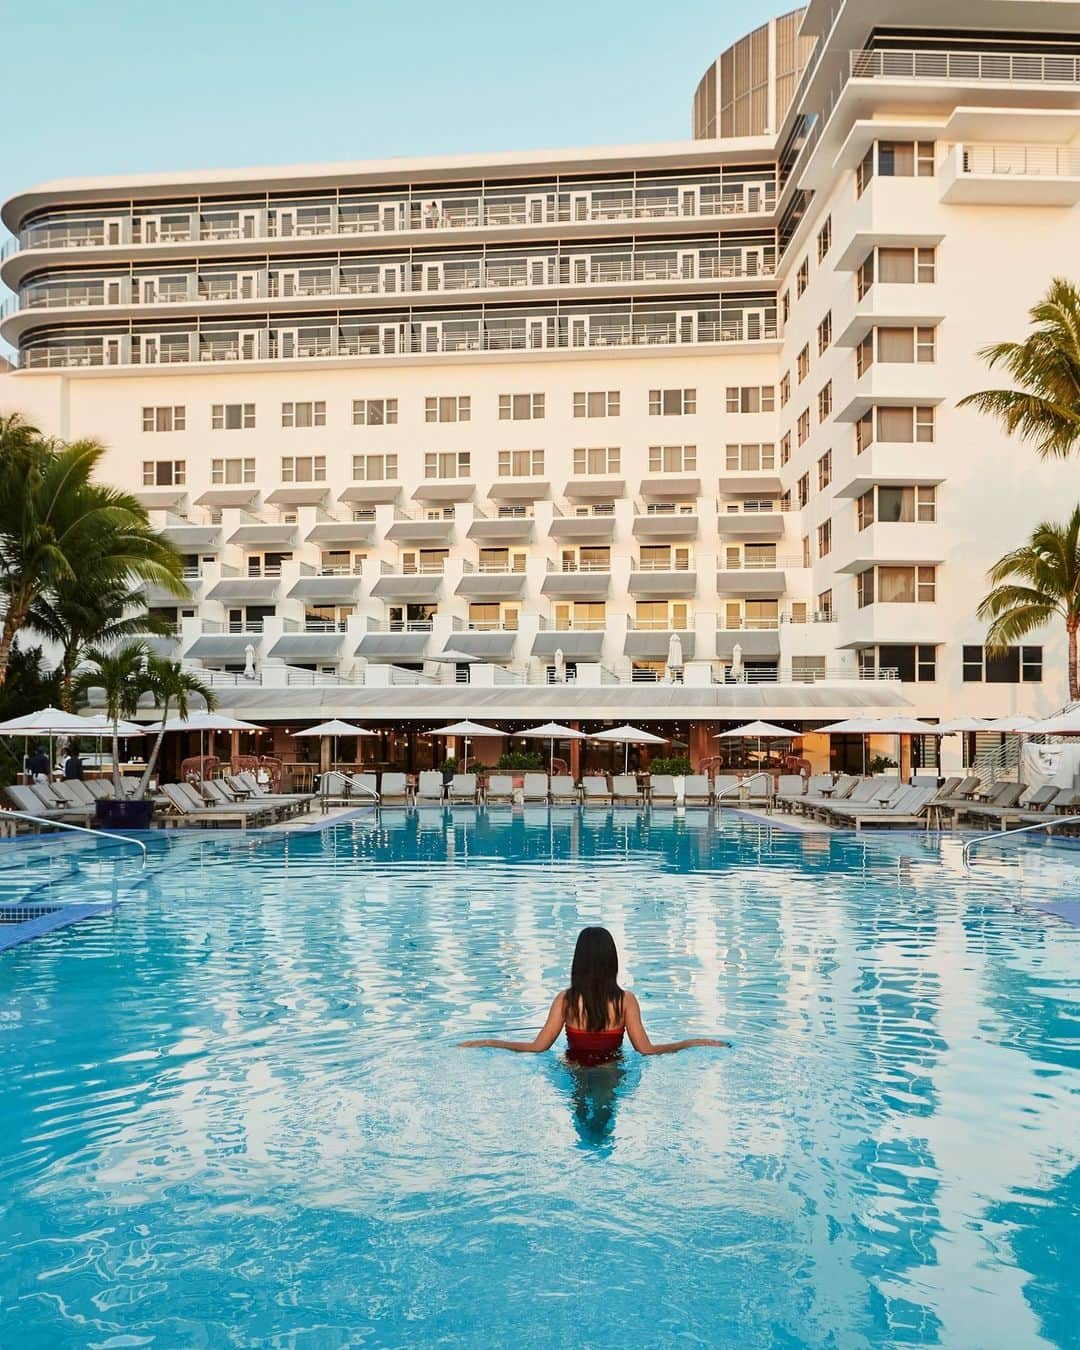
(125,815)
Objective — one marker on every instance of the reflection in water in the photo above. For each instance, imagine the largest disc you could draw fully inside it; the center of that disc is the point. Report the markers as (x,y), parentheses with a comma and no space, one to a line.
(594,1092)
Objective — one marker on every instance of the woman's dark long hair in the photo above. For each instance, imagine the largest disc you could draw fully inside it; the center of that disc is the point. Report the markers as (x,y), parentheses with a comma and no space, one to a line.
(594,992)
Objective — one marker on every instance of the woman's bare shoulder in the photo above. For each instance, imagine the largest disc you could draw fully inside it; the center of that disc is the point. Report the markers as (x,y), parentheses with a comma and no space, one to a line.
(629,999)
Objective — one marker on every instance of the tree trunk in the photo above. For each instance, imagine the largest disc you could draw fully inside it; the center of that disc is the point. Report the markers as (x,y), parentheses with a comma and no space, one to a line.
(7,636)
(148,772)
(67,678)
(118,786)
(1071,626)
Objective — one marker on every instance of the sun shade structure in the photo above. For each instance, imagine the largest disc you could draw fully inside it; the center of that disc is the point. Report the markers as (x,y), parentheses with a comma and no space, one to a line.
(961,724)
(1062,724)
(203,722)
(552,731)
(51,722)
(1018,725)
(762,731)
(627,736)
(335,728)
(469,731)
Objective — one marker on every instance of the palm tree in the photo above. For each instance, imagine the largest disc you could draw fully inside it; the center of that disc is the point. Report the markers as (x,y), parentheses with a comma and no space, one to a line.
(171,686)
(54,520)
(1045,410)
(122,674)
(1047,584)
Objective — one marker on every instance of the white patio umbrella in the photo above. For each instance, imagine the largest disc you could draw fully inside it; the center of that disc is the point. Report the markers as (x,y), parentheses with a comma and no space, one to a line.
(202,722)
(335,728)
(627,735)
(1061,724)
(53,722)
(852,726)
(962,725)
(469,731)
(553,731)
(1013,725)
(759,731)
(902,726)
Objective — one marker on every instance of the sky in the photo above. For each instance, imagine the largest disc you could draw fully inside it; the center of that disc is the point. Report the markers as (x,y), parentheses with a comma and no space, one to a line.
(129,86)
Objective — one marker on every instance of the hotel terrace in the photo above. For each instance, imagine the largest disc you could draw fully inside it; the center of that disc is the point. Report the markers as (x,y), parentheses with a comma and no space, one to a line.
(660,433)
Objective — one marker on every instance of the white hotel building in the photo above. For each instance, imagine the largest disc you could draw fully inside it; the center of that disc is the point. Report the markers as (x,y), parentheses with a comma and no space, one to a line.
(545,411)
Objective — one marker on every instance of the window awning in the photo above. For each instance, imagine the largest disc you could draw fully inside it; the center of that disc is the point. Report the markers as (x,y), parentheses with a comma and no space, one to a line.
(574,646)
(343,532)
(298,496)
(233,496)
(223,646)
(308,646)
(595,489)
(419,587)
(671,489)
(390,647)
(445,492)
(655,646)
(345,587)
(371,493)
(519,490)
(271,534)
(754,642)
(254,589)
(490,646)
(499,585)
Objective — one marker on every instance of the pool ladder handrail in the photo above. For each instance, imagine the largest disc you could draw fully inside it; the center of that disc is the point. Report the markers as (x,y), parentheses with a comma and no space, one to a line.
(1017,829)
(745,782)
(354,786)
(80,829)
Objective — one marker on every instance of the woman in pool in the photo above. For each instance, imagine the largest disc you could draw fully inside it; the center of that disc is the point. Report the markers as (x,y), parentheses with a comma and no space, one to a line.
(594,1011)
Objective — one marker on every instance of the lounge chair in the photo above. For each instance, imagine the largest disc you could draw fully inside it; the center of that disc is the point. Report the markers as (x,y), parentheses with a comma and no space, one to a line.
(28,801)
(101,789)
(346,789)
(790,788)
(662,788)
(563,788)
(596,790)
(429,786)
(187,813)
(74,792)
(463,788)
(500,788)
(1039,804)
(905,806)
(394,789)
(697,790)
(1000,797)
(625,790)
(258,813)
(537,788)
(726,789)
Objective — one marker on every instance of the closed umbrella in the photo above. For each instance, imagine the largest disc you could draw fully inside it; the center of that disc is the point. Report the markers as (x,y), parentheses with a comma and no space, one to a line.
(736,663)
(675,653)
(335,728)
(552,731)
(560,666)
(249,662)
(468,730)
(627,736)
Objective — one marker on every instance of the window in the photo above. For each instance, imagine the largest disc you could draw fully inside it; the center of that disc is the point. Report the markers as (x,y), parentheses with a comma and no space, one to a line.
(824,470)
(785,389)
(232,471)
(232,416)
(824,333)
(905,266)
(521,463)
(807,557)
(802,278)
(164,472)
(824,538)
(672,458)
(374,468)
(597,403)
(864,173)
(802,490)
(785,448)
(172,417)
(803,426)
(598,459)
(672,402)
(374,412)
(824,239)
(751,398)
(450,464)
(1015,665)
(303,414)
(785,306)
(824,401)
(802,363)
(905,505)
(865,276)
(453,408)
(753,457)
(902,425)
(906,159)
(904,585)
(824,604)
(303,468)
(913,664)
(520,407)
(864,355)
(905,345)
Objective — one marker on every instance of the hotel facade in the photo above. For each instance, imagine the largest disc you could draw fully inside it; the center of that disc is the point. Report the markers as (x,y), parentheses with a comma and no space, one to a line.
(662,432)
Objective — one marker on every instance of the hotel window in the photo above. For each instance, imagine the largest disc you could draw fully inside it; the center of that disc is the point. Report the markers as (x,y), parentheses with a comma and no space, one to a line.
(672,402)
(303,414)
(754,457)
(672,458)
(785,448)
(864,355)
(303,468)
(232,471)
(897,586)
(913,664)
(824,239)
(374,468)
(802,363)
(374,412)
(802,490)
(905,346)
(448,464)
(454,408)
(824,604)
(864,278)
(905,266)
(807,558)
(164,472)
(1015,665)
(803,426)
(590,615)
(905,159)
(824,401)
(864,173)
(785,306)
(785,388)
(824,470)
(751,398)
(596,403)
(661,615)
(824,333)
(232,416)
(521,463)
(824,538)
(901,425)
(172,417)
(802,278)
(520,407)
(597,459)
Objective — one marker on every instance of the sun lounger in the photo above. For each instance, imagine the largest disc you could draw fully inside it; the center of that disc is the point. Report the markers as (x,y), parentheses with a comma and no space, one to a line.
(726,789)
(188,813)
(537,788)
(500,788)
(258,812)
(394,789)
(596,790)
(906,806)
(1039,804)
(1000,798)
(697,790)
(246,782)
(344,789)
(625,790)
(790,788)
(563,788)
(429,786)
(662,788)
(74,792)
(28,801)
(463,788)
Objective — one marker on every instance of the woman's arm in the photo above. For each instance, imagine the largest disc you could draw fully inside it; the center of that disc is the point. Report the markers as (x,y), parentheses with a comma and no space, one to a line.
(545,1038)
(639,1037)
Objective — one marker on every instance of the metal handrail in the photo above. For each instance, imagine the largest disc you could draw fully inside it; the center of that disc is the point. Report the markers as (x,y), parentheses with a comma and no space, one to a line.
(79,829)
(352,785)
(743,782)
(1019,829)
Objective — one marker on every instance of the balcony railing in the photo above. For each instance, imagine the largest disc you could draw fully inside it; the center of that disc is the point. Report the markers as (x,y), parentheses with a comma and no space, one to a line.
(573,565)
(728,624)
(400,625)
(1020,161)
(661,565)
(578,626)
(666,625)
(998,67)
(759,564)
(341,570)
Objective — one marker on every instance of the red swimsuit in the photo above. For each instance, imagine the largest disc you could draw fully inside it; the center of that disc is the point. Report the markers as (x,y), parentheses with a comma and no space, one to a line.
(592,1047)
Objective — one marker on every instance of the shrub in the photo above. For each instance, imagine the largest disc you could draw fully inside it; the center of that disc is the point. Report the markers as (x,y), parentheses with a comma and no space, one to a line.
(673,764)
(881,764)
(449,765)
(521,759)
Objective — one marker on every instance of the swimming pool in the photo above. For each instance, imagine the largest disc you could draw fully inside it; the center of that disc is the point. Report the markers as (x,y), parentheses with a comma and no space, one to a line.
(233,1114)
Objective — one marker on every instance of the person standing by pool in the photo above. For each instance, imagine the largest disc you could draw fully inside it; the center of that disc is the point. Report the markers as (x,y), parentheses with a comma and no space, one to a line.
(594,1011)
(40,767)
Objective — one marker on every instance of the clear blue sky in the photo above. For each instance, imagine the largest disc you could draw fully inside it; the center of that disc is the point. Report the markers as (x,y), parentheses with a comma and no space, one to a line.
(130,86)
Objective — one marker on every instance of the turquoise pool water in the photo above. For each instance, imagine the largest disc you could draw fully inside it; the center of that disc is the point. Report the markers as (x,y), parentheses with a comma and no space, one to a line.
(233,1114)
